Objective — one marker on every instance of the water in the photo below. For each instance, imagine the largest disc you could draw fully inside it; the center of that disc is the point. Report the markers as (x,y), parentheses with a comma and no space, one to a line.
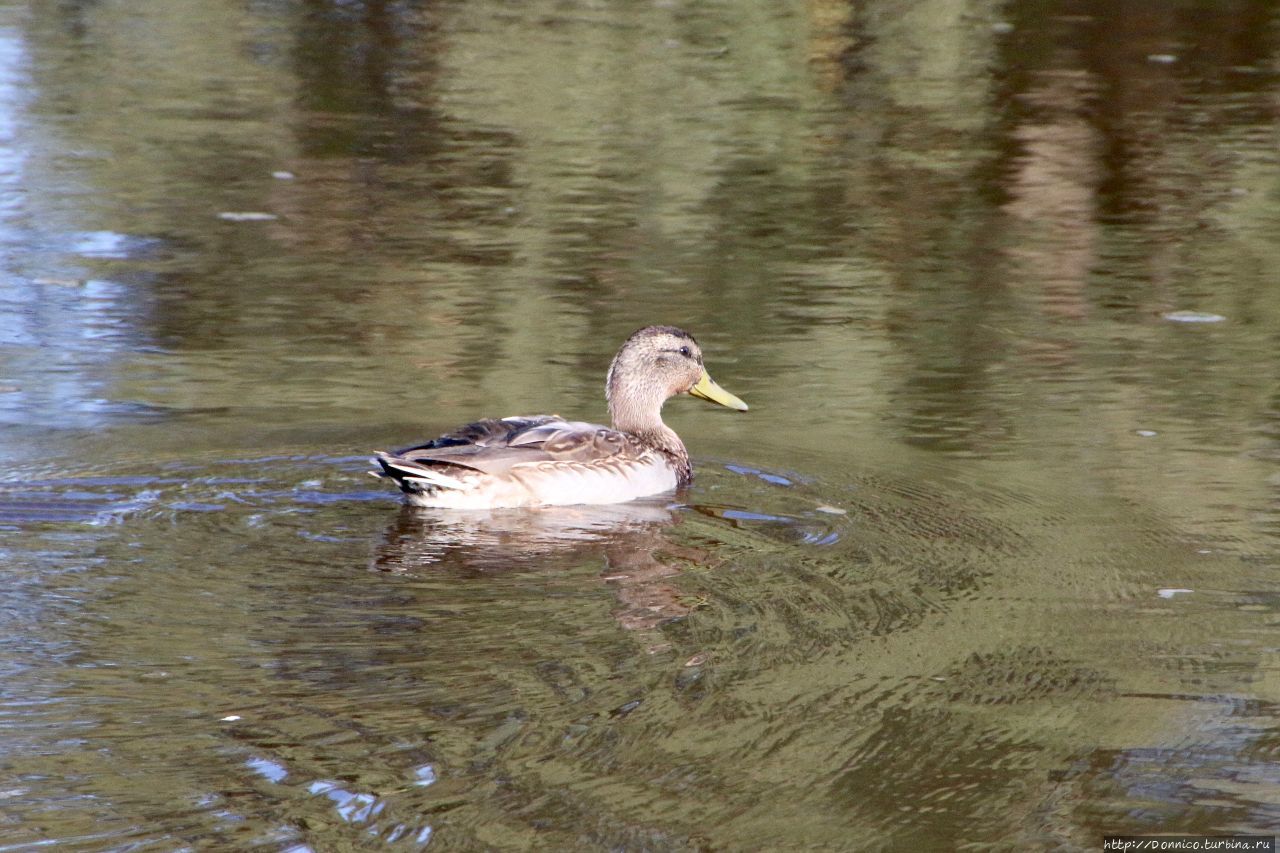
(991,562)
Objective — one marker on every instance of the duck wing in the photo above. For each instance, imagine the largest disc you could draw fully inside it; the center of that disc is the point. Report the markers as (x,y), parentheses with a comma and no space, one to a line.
(496,432)
(494,447)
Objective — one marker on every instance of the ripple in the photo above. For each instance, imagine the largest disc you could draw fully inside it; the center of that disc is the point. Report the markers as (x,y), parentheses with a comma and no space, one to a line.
(350,663)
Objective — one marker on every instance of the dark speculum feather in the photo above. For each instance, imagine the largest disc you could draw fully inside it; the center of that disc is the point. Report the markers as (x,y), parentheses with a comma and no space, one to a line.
(489,431)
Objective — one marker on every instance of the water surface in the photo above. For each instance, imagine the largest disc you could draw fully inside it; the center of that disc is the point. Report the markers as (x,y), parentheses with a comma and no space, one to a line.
(991,562)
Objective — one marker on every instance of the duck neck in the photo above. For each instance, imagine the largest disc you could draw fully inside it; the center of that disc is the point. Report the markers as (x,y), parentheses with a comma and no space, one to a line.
(640,415)
(663,439)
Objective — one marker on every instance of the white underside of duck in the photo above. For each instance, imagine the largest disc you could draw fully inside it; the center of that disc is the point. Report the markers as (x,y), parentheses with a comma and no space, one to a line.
(541,485)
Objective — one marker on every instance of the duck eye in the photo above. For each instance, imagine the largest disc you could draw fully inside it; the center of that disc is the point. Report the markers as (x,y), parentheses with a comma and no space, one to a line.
(684,351)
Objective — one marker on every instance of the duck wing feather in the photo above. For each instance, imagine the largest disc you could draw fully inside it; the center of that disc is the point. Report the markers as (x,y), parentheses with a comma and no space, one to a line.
(494,446)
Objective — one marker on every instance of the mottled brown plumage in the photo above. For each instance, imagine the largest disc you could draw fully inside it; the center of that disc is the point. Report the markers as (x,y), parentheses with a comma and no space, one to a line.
(543,459)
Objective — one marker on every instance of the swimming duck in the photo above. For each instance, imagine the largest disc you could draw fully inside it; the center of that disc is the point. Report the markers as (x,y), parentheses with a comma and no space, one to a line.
(544,460)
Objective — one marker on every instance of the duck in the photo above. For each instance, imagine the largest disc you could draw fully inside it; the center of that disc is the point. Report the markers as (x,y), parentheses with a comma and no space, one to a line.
(545,460)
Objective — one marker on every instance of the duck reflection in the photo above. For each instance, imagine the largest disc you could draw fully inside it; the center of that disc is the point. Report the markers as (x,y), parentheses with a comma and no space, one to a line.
(630,540)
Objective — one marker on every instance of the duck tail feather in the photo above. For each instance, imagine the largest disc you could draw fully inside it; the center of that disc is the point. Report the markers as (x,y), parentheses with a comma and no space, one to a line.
(413,476)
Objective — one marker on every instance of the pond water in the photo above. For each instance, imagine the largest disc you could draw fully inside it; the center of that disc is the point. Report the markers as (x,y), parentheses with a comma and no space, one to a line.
(992,562)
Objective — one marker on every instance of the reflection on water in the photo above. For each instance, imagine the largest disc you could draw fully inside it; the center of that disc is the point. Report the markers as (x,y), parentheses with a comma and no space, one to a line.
(507,540)
(990,564)
(629,539)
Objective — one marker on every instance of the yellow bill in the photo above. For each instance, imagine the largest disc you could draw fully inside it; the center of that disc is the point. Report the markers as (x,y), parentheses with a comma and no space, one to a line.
(707,389)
